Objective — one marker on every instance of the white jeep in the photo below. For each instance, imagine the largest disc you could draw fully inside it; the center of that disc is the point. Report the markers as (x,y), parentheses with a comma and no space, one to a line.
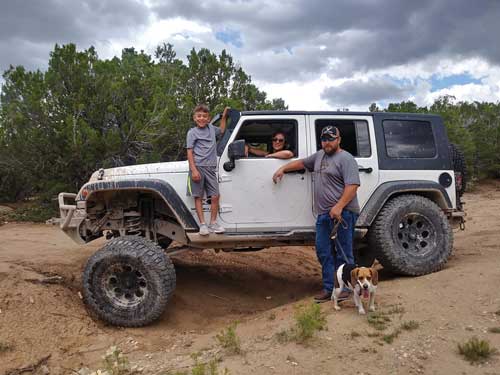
(411,182)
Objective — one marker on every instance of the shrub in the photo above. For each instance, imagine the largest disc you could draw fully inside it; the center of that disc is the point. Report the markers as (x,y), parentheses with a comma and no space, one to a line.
(229,340)
(475,350)
(308,320)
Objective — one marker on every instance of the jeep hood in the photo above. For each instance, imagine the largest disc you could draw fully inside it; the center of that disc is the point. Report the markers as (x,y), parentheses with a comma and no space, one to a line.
(141,170)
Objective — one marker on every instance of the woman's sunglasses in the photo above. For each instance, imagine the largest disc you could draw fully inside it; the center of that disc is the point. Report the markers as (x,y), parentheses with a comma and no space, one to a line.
(279,140)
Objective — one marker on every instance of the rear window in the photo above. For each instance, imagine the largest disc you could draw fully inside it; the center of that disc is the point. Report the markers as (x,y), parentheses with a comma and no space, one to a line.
(409,139)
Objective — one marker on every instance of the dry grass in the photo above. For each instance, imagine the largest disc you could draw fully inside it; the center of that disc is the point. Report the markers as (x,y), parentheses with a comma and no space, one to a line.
(378,320)
(229,340)
(476,351)
(410,325)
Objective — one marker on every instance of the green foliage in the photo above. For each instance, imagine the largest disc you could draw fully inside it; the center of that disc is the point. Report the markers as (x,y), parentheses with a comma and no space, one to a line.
(308,320)
(229,340)
(475,350)
(35,211)
(84,113)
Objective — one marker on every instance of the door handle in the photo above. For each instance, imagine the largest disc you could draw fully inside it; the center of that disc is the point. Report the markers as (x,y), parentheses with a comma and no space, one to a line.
(367,170)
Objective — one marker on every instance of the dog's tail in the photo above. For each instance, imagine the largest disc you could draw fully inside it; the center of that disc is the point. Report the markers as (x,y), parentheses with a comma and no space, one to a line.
(376,265)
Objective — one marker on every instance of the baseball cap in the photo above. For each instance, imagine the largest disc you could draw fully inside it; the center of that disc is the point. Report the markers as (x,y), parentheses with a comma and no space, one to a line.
(329,132)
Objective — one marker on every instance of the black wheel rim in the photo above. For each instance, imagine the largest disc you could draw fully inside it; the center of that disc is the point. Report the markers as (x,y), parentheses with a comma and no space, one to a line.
(125,285)
(415,234)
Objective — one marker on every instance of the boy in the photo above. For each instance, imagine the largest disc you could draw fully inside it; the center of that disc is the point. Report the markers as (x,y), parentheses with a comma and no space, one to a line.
(202,157)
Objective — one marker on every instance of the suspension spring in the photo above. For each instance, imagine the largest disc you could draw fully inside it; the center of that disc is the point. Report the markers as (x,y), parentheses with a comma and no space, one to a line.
(133,223)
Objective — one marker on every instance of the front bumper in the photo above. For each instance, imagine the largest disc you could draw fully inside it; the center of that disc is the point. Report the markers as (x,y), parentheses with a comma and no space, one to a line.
(71,216)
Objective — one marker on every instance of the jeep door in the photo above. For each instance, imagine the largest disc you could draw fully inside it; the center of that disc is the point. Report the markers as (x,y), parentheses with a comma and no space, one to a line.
(358,138)
(249,198)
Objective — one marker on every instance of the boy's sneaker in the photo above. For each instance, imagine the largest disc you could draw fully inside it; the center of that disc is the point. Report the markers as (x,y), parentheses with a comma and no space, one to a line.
(204,230)
(216,228)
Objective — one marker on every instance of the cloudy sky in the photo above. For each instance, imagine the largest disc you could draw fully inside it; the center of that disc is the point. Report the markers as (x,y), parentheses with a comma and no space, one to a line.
(315,54)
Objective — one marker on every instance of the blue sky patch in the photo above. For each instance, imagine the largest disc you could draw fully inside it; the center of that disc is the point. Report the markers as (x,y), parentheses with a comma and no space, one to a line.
(439,83)
(229,36)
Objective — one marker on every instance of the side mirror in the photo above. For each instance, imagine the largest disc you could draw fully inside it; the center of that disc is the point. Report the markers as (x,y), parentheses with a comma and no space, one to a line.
(236,150)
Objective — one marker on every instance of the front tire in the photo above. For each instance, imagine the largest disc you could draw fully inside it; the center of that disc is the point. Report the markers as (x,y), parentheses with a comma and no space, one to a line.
(128,282)
(411,236)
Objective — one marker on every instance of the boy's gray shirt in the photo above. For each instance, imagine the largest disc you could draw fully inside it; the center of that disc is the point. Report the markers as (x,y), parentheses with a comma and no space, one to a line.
(204,145)
(331,174)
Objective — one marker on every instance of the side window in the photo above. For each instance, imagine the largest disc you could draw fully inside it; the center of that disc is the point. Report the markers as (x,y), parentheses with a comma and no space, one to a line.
(354,133)
(258,134)
(409,139)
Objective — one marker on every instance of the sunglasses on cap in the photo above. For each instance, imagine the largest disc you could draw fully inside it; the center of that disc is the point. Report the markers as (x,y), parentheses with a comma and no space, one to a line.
(328,138)
(279,140)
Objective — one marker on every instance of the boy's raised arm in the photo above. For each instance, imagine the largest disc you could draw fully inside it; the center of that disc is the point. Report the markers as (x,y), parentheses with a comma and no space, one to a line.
(222,126)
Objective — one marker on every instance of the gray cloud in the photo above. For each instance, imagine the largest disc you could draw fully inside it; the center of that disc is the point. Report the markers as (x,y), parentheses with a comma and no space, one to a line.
(281,41)
(29,29)
(363,34)
(356,93)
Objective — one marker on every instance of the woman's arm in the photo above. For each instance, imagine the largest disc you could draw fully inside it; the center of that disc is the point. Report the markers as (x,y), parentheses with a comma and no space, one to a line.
(283,154)
(257,151)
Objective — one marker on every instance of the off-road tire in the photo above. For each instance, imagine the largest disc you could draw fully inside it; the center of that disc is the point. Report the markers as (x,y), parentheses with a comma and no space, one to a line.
(128,282)
(460,168)
(411,236)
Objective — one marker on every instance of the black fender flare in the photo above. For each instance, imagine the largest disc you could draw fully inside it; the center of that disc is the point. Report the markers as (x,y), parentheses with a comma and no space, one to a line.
(388,189)
(162,188)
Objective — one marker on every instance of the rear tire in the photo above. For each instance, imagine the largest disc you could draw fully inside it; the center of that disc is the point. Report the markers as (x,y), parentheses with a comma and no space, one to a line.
(128,282)
(411,236)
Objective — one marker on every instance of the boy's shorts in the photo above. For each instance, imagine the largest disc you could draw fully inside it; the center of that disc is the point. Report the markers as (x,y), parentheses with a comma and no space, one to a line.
(208,183)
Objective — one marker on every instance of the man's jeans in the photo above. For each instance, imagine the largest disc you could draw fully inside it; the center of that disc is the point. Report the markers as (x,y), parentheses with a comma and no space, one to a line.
(330,259)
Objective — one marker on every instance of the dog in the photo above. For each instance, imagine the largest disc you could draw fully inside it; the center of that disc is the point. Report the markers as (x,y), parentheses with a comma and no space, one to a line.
(362,281)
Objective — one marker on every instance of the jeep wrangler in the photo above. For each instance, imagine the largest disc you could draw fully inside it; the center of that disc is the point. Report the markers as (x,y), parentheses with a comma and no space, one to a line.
(412,180)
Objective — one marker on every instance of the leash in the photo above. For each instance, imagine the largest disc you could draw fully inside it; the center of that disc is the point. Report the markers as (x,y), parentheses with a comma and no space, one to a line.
(333,236)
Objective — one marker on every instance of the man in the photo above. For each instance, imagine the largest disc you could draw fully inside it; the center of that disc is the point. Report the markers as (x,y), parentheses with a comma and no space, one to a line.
(336,181)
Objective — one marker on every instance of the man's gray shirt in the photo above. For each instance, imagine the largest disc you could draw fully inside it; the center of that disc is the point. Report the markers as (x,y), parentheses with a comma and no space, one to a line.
(204,145)
(331,173)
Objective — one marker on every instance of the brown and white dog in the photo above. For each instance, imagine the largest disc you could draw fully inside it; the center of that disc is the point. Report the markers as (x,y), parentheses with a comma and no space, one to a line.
(362,280)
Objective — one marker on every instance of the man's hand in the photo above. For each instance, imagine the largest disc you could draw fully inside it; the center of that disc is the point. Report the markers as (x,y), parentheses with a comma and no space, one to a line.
(224,114)
(195,175)
(336,212)
(278,175)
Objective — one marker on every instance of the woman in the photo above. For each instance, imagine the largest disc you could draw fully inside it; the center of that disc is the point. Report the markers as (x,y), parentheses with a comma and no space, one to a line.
(280,148)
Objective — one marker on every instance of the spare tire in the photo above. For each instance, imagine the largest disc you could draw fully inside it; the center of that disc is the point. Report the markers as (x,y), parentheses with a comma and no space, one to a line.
(459,167)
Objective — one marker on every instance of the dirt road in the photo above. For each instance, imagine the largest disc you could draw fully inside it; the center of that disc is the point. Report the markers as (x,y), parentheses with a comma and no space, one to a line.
(261,291)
